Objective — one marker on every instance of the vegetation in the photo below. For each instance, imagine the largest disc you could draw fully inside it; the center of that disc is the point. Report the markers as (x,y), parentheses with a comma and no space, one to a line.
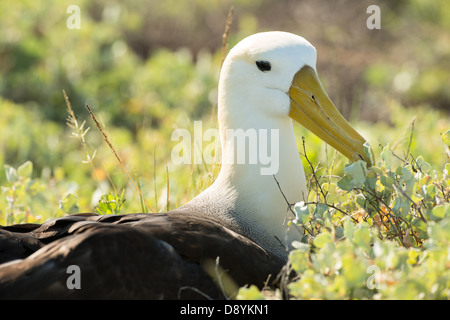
(374,233)
(369,233)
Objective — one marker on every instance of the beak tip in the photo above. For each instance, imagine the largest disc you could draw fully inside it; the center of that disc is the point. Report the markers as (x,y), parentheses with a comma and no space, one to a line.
(368,160)
(356,157)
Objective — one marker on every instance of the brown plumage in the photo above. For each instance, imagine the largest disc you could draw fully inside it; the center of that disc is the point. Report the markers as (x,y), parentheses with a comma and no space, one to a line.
(135,256)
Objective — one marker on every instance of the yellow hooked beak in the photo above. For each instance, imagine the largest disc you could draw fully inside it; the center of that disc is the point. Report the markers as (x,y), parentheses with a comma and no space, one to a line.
(311,107)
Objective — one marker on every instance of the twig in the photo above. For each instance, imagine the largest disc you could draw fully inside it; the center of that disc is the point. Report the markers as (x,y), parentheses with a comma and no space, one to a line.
(282,193)
(290,205)
(332,206)
(313,171)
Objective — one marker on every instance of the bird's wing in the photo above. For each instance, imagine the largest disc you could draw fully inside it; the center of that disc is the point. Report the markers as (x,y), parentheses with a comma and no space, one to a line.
(154,256)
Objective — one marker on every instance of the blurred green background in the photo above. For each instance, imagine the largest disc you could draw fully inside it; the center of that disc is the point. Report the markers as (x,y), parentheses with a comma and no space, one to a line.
(147,67)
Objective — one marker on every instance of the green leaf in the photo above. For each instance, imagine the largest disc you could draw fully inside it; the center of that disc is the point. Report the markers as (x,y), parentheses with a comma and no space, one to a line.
(371,180)
(111,203)
(401,206)
(320,210)
(361,235)
(250,293)
(11,173)
(69,203)
(348,228)
(413,255)
(25,170)
(361,200)
(353,271)
(368,152)
(429,191)
(386,181)
(345,183)
(386,155)
(446,137)
(441,211)
(423,165)
(302,212)
(322,239)
(357,171)
(408,178)
(407,174)
(377,170)
(299,257)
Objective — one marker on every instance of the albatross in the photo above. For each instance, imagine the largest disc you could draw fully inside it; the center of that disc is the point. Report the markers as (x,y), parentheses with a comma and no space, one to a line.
(234,233)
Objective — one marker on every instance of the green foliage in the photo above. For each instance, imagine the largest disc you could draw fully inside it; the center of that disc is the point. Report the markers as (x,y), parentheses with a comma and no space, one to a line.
(23,195)
(362,266)
(386,235)
(111,203)
(69,203)
(250,293)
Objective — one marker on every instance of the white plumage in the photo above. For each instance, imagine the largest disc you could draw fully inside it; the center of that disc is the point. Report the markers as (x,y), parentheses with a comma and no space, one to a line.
(250,99)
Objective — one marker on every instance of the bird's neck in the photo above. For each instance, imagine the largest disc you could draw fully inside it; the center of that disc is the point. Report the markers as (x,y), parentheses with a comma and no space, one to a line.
(261,173)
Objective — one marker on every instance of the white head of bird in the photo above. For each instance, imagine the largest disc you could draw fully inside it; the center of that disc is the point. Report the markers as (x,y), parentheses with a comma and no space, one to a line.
(267,80)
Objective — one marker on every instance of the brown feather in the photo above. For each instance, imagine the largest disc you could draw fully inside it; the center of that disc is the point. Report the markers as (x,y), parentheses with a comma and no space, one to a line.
(134,256)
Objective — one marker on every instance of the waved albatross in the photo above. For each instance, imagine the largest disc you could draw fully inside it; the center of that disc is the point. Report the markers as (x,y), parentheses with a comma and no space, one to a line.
(236,229)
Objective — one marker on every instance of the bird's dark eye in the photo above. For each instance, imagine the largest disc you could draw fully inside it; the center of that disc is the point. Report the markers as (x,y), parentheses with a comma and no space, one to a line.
(263,65)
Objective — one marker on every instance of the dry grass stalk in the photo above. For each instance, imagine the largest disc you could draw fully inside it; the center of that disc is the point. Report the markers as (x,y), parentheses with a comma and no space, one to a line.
(124,170)
(79,132)
(225,35)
